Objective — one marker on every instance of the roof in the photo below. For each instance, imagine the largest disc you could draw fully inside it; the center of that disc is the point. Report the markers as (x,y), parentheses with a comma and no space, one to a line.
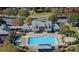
(44,47)
(15,27)
(62,19)
(56,27)
(39,23)
(3,32)
(25,26)
(8,20)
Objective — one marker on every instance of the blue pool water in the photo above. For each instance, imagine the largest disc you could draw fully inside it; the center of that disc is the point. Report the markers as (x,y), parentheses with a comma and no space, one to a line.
(42,40)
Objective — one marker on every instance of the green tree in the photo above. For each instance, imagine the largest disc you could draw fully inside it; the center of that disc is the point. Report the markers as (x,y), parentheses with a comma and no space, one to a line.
(73,17)
(23,12)
(55,12)
(77,37)
(13,12)
(47,9)
(7,46)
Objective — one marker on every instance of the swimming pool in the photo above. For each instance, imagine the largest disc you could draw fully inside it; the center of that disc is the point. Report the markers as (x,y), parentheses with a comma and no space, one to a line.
(42,40)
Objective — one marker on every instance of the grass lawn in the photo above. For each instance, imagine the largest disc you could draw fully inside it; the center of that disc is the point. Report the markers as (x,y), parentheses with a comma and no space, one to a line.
(8,48)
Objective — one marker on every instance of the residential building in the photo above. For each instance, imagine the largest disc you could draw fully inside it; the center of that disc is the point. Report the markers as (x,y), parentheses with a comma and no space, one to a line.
(62,20)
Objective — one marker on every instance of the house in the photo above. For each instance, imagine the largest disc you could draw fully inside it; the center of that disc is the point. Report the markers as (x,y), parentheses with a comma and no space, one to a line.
(3,33)
(15,28)
(35,25)
(26,27)
(2,21)
(38,25)
(56,27)
(61,20)
(40,22)
(48,26)
(7,20)
(5,27)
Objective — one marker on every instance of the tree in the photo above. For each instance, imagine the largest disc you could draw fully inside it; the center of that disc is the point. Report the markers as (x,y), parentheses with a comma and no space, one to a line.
(8,46)
(77,37)
(23,12)
(55,12)
(64,28)
(73,17)
(56,27)
(70,33)
(28,20)
(47,9)
(13,12)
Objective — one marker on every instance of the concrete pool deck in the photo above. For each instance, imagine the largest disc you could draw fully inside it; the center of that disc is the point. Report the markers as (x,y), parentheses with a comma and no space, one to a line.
(24,39)
(36,47)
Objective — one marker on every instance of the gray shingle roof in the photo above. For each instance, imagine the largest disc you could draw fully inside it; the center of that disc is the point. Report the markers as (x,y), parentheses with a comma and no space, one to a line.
(44,47)
(56,27)
(3,32)
(62,20)
(25,26)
